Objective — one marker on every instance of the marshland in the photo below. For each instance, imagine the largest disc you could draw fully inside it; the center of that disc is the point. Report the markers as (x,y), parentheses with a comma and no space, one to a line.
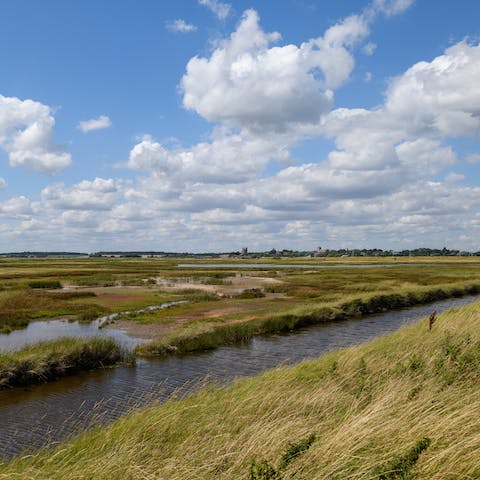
(251,318)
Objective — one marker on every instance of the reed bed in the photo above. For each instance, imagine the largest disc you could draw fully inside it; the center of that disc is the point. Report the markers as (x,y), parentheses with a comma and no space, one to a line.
(48,361)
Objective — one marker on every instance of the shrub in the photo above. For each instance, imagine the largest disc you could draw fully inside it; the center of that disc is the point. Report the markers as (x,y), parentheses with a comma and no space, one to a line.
(263,471)
(250,293)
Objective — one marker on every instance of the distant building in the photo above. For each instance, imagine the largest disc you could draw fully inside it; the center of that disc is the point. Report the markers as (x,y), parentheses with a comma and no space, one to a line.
(244,251)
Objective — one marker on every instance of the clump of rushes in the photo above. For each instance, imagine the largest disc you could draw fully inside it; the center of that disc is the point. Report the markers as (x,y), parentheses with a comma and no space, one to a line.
(399,467)
(250,293)
(265,471)
(45,284)
(51,360)
(71,295)
(90,315)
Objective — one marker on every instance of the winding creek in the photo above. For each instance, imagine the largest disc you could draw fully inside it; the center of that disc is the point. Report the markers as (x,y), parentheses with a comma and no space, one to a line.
(44,414)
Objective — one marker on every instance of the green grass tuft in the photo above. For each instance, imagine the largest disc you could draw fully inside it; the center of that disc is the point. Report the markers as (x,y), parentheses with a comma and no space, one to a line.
(399,468)
(45,284)
(51,360)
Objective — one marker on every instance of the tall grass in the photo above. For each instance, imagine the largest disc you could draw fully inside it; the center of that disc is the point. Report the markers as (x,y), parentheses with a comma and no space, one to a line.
(402,406)
(51,360)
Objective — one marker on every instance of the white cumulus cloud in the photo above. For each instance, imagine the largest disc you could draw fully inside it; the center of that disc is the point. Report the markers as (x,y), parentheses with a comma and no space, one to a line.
(99,194)
(26,134)
(16,207)
(473,158)
(227,158)
(369,48)
(249,83)
(441,96)
(220,9)
(392,7)
(94,124)
(181,26)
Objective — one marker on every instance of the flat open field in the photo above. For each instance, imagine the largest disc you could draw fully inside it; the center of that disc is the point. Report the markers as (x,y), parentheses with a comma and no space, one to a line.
(87,288)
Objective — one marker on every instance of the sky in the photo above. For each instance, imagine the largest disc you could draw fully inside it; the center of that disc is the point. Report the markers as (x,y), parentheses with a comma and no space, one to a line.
(210,125)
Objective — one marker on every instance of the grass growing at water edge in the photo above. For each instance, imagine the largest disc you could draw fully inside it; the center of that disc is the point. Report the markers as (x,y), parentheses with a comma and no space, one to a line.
(51,360)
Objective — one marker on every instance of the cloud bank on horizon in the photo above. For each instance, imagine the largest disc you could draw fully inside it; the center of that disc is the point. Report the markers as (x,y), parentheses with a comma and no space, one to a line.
(394,176)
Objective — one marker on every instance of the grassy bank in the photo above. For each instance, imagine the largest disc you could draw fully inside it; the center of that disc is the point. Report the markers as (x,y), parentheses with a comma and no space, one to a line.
(51,360)
(400,407)
(200,336)
(19,307)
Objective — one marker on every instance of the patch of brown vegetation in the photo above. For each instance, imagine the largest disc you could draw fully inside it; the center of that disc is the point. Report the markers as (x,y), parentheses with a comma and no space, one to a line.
(153,330)
(147,331)
(120,297)
(232,284)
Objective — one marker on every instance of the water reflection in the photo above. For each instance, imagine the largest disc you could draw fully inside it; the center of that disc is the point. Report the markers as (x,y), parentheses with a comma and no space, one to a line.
(44,330)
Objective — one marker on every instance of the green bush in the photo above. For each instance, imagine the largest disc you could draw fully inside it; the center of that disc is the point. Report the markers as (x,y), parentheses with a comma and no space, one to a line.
(250,293)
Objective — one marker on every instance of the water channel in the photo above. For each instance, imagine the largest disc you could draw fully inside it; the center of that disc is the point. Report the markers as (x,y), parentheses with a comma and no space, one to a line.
(44,414)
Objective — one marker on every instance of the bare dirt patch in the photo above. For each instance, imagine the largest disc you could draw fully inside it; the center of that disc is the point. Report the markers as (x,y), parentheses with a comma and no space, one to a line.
(147,331)
(231,285)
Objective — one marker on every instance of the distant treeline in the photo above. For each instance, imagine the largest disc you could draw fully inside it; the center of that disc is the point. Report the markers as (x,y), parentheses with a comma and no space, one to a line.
(273,253)
(42,254)
(417,252)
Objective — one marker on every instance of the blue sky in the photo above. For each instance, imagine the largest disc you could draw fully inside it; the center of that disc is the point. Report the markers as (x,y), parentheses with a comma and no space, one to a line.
(207,125)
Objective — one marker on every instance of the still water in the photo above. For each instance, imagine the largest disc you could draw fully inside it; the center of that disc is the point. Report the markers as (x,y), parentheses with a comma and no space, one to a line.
(44,414)
(45,330)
